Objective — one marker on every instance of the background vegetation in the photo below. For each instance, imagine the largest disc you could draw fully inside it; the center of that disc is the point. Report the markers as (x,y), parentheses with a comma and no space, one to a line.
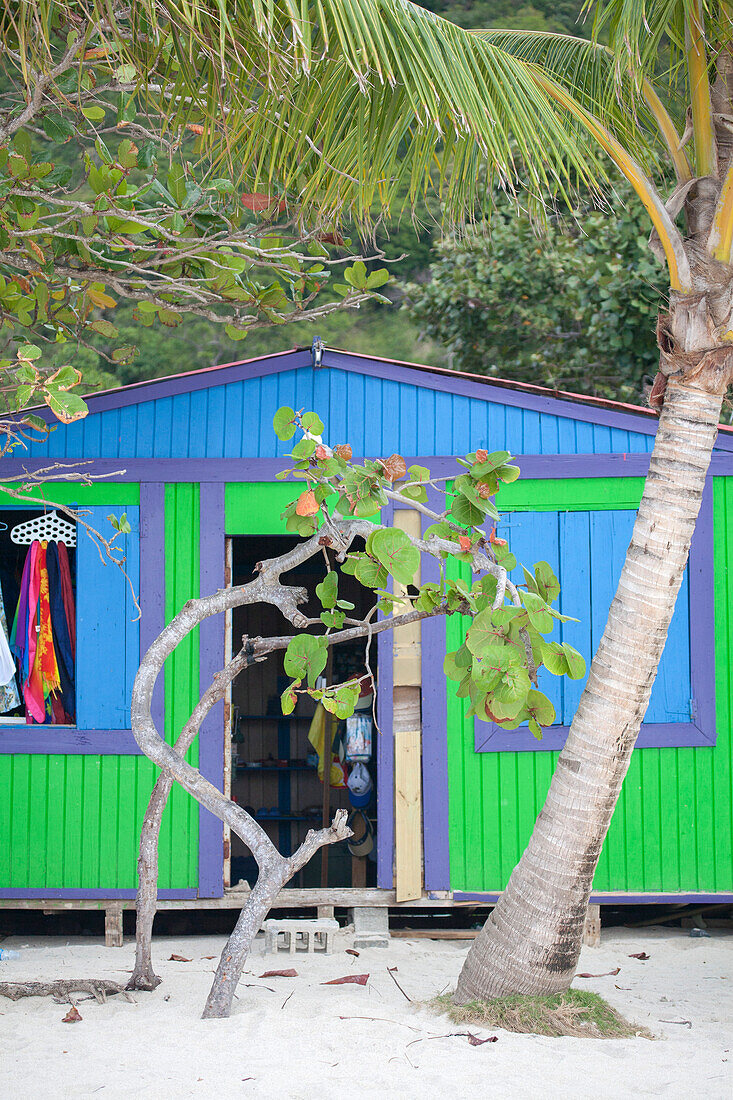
(501,302)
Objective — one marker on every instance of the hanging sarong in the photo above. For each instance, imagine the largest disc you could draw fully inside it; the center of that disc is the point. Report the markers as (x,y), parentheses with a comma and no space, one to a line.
(61,639)
(35,703)
(45,654)
(67,592)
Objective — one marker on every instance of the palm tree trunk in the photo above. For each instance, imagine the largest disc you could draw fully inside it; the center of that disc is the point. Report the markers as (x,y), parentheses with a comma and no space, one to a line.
(531,941)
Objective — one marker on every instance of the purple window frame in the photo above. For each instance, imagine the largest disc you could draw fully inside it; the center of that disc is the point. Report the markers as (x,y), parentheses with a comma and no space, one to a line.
(701,731)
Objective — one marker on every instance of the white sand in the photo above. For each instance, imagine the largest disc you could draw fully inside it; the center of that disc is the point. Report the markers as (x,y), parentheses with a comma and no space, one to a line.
(300,1048)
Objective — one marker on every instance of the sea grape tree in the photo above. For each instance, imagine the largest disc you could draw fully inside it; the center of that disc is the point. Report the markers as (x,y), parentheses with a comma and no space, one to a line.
(335,515)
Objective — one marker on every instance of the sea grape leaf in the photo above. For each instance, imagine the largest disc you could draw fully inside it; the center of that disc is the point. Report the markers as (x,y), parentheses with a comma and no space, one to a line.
(327,590)
(396,553)
(305,658)
(283,422)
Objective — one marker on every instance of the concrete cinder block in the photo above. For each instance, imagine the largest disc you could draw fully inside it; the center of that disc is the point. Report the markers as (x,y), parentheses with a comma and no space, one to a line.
(371,926)
(300,935)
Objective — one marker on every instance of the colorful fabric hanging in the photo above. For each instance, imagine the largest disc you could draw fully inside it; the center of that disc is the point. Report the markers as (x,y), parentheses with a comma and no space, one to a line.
(43,636)
(67,592)
(35,703)
(60,626)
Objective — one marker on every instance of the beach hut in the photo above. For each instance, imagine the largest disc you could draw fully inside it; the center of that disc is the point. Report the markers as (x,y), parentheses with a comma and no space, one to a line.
(191,460)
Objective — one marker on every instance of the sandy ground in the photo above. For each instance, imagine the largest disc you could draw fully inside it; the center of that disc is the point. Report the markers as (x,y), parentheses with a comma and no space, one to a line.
(296,1039)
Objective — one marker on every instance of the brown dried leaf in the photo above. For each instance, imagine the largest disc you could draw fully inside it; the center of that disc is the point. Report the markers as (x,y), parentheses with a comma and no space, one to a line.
(351,951)
(464,542)
(605,974)
(306,505)
(349,979)
(280,974)
(484,491)
(476,1042)
(72,1016)
(394,467)
(179,959)
(481,456)
(343,451)
(642,955)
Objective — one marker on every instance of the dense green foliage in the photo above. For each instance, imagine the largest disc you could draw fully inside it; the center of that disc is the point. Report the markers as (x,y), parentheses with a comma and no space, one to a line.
(109,193)
(506,643)
(574,308)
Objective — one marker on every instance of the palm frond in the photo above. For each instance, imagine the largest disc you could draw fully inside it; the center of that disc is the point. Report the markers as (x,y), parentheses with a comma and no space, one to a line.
(632,109)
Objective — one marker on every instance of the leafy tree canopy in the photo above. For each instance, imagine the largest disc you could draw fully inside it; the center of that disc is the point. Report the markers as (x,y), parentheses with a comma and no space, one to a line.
(108,195)
(574,308)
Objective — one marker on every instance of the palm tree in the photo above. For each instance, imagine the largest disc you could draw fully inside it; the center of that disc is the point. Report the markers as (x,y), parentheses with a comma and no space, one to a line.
(340,107)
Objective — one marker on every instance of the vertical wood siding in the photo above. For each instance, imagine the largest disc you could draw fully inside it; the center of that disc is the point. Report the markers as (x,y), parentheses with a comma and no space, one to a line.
(672,828)
(373,414)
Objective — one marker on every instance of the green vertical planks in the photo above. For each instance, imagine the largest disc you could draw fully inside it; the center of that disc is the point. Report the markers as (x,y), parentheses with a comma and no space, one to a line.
(179,857)
(672,828)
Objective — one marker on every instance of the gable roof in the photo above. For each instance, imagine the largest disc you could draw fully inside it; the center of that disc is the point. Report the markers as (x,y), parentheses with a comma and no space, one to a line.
(581,407)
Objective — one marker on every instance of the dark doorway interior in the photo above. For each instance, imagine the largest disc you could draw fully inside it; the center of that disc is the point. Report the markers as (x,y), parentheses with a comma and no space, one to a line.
(274,765)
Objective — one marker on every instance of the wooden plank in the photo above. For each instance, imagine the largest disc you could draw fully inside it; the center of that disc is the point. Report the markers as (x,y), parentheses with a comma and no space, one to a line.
(434,933)
(406,697)
(408,815)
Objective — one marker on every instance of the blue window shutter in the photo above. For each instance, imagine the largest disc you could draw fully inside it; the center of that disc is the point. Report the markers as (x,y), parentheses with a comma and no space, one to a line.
(107,630)
(587,551)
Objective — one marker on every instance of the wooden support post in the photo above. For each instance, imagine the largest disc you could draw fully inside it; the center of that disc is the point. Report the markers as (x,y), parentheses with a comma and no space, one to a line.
(592,929)
(324,911)
(113,926)
(407,728)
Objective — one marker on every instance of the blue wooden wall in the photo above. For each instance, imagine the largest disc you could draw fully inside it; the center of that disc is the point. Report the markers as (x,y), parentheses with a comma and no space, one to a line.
(373,414)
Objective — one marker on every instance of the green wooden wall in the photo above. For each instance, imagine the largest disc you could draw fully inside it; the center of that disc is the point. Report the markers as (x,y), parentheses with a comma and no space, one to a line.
(672,828)
(74,821)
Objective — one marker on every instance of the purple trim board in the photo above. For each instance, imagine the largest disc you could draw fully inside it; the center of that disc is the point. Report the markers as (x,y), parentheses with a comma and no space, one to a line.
(232,470)
(434,740)
(701,732)
(491,898)
(385,751)
(73,892)
(211,660)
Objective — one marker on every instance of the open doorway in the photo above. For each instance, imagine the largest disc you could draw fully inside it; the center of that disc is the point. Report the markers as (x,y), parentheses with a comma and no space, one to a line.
(274,759)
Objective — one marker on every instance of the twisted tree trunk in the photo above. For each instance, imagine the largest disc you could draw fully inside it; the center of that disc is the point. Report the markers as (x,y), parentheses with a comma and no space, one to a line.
(531,941)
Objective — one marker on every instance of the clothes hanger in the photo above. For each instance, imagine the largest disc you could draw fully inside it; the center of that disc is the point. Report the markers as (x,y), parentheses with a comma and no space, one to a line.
(50,526)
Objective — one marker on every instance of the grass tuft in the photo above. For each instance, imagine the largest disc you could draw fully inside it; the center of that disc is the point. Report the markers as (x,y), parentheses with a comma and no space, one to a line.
(575,1012)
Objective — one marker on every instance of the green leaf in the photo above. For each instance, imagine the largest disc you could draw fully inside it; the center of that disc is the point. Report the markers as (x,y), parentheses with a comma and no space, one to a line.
(283,422)
(29,351)
(393,548)
(312,423)
(482,635)
(370,573)
(377,278)
(127,153)
(541,707)
(452,670)
(177,183)
(125,74)
(235,333)
(575,662)
(288,700)
(93,114)
(466,513)
(57,128)
(548,585)
(66,406)
(356,275)
(305,658)
(327,590)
